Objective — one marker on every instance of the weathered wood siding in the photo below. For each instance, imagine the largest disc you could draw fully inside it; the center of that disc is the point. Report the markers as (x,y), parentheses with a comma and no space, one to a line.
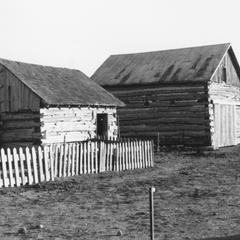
(224,125)
(224,98)
(19,112)
(14,95)
(231,77)
(76,124)
(178,114)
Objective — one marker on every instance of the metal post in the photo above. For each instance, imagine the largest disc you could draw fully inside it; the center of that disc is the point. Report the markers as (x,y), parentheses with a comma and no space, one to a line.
(151,191)
(158,142)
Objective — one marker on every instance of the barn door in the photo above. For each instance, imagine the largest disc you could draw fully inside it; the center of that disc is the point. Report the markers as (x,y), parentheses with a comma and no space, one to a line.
(102,125)
(224,125)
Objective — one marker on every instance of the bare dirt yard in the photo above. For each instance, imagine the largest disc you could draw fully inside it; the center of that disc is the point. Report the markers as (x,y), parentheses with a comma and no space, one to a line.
(196,196)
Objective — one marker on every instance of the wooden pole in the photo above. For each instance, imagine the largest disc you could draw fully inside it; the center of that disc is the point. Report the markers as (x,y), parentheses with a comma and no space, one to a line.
(151,191)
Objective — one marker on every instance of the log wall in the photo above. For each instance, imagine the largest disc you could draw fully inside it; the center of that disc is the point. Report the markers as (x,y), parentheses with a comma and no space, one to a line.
(20,129)
(74,124)
(174,114)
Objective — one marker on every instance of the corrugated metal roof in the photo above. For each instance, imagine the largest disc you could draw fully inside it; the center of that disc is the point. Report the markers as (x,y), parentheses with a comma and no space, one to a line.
(61,86)
(168,66)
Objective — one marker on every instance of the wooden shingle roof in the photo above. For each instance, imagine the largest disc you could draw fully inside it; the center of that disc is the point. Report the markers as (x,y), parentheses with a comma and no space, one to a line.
(168,66)
(60,86)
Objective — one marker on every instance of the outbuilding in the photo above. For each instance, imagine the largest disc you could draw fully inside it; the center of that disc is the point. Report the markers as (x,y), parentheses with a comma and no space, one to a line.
(42,104)
(188,96)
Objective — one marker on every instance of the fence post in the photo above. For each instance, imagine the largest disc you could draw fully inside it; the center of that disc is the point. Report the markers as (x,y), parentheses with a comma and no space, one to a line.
(151,191)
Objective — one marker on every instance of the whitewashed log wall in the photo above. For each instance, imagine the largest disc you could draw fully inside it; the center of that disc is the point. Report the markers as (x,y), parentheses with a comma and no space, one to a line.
(74,124)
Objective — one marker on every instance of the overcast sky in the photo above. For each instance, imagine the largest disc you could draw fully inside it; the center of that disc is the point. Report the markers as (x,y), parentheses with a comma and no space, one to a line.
(81,34)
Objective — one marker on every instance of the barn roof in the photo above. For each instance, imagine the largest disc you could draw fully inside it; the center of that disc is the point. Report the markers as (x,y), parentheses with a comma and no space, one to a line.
(60,86)
(168,66)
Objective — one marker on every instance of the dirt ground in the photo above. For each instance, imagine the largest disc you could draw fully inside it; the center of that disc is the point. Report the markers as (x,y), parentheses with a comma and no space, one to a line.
(197,196)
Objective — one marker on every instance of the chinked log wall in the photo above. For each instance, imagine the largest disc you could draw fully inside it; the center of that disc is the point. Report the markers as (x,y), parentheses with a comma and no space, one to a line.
(75,124)
(20,129)
(177,113)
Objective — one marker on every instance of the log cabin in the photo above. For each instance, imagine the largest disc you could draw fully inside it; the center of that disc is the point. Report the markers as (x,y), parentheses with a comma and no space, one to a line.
(42,105)
(188,96)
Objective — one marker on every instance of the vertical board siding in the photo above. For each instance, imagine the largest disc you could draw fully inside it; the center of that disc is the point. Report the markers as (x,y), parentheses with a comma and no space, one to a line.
(224,131)
(37,164)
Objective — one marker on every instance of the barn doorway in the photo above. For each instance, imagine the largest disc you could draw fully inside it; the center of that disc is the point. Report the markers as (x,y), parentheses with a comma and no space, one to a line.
(102,126)
(224,125)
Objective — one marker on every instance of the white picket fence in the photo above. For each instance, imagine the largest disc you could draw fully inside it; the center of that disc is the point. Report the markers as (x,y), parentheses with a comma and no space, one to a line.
(38,164)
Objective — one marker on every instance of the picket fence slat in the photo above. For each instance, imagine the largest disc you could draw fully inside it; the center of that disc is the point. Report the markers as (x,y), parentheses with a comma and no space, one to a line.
(76,160)
(81,159)
(10,169)
(96,157)
(4,168)
(16,168)
(34,160)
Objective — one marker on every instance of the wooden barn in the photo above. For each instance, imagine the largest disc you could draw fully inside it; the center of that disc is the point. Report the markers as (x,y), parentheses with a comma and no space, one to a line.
(188,96)
(41,104)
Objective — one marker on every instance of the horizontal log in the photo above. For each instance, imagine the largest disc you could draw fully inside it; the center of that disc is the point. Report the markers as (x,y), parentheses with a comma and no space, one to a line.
(19,124)
(165,97)
(152,86)
(156,121)
(147,92)
(19,116)
(55,119)
(12,144)
(164,109)
(19,138)
(168,140)
(157,115)
(163,127)
(156,93)
(166,104)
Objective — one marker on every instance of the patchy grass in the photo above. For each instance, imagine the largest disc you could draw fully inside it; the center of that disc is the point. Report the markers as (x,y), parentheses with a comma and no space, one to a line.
(196,196)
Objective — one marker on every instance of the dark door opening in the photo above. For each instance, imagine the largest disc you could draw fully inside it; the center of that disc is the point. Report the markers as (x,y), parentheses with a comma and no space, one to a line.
(102,125)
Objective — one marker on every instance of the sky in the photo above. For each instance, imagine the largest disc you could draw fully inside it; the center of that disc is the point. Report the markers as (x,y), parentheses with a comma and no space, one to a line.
(81,34)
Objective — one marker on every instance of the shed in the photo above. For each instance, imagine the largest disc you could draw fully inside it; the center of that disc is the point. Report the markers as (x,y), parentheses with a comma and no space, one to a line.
(42,104)
(188,96)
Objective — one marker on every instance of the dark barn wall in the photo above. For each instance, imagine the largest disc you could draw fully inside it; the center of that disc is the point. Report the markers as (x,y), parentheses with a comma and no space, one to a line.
(178,113)
(19,112)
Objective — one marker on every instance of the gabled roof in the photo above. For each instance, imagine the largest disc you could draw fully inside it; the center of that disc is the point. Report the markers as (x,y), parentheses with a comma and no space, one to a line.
(168,66)
(60,86)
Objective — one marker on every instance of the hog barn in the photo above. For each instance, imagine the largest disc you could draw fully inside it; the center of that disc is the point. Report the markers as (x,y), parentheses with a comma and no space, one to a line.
(188,96)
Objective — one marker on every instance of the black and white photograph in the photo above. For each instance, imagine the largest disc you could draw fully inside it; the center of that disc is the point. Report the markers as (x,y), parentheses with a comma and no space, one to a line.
(119,120)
